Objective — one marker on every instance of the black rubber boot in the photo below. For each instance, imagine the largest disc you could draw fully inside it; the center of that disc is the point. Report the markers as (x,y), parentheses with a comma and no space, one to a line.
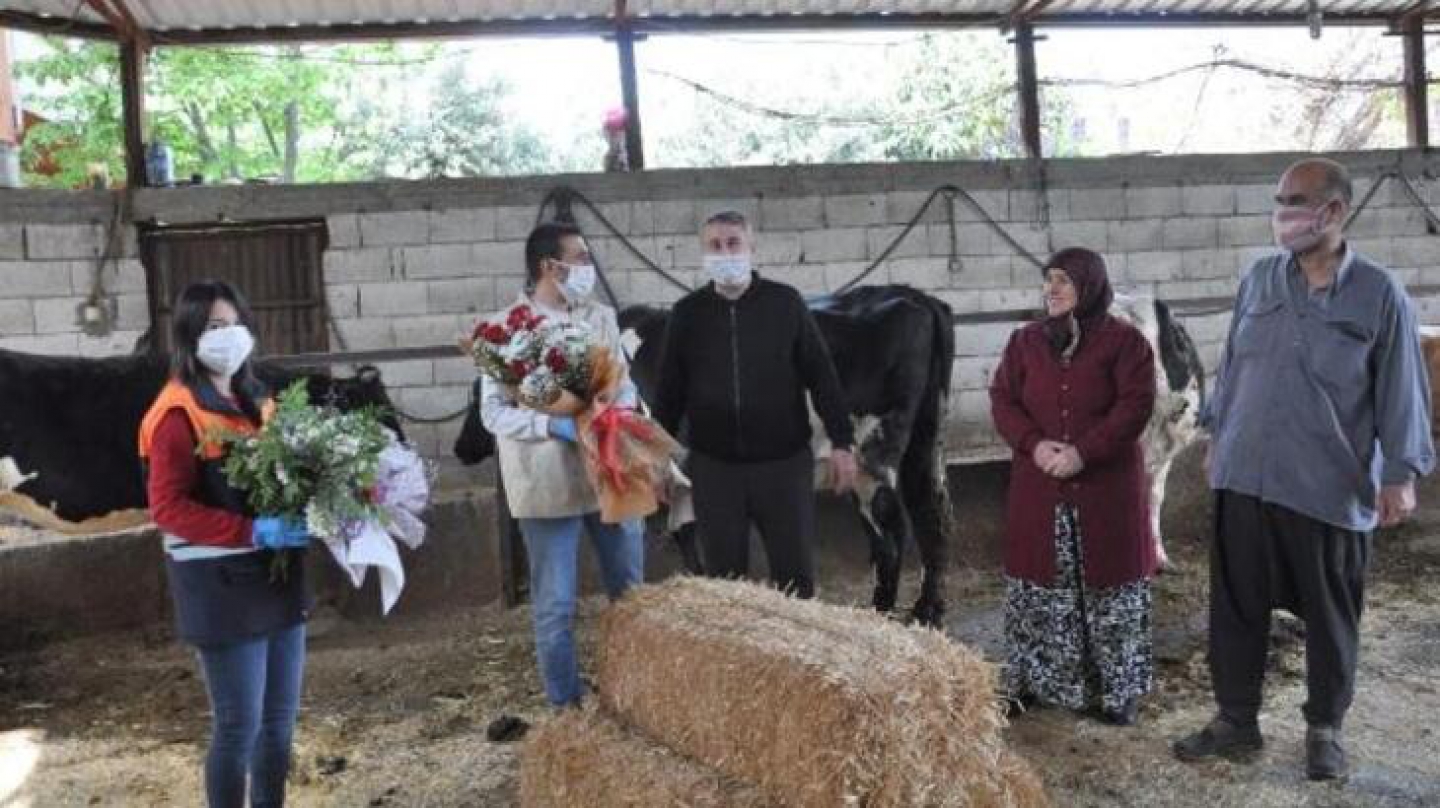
(1220,738)
(1325,758)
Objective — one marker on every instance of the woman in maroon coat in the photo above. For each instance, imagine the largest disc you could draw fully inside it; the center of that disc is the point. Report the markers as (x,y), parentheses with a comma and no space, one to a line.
(1071,397)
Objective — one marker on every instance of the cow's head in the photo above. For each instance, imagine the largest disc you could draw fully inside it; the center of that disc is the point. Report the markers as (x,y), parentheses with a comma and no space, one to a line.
(475,443)
(366,389)
(642,332)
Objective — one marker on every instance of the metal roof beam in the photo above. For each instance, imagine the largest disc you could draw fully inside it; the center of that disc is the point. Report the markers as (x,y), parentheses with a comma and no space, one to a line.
(118,15)
(602,26)
(55,26)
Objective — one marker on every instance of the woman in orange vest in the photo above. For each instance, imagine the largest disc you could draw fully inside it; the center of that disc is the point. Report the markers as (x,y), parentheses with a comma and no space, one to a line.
(247,624)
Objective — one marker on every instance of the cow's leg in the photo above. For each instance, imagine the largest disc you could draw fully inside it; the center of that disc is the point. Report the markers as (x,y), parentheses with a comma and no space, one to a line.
(883,516)
(688,545)
(922,482)
(1157,504)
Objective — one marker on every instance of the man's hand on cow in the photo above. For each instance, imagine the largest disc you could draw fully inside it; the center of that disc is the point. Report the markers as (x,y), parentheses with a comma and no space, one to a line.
(1396,503)
(1068,464)
(1047,455)
(843,470)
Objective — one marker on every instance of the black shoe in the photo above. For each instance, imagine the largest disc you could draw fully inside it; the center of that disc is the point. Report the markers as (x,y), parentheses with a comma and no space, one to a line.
(1126,716)
(1325,758)
(1219,738)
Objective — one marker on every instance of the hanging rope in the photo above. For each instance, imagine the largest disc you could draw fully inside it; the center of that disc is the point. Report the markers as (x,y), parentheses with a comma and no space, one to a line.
(560,203)
(563,198)
(949,193)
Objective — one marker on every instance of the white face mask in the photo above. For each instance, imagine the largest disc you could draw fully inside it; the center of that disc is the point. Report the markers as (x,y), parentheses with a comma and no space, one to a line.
(224,350)
(579,283)
(1298,228)
(728,270)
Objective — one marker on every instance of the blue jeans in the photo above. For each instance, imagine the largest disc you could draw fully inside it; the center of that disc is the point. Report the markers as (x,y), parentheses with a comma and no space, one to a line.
(553,546)
(254,690)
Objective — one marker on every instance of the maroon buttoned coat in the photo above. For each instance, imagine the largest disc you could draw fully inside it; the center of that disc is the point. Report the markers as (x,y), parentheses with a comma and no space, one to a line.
(1099,402)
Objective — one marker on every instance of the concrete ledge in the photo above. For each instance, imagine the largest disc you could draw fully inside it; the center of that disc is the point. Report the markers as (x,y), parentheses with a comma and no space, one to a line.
(74,586)
(262,202)
(80,585)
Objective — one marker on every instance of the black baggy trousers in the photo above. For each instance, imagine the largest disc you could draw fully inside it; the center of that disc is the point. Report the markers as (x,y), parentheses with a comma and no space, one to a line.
(1266,557)
(777,497)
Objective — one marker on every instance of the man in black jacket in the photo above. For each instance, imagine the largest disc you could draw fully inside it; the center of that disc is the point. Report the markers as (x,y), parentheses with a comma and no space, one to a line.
(740,354)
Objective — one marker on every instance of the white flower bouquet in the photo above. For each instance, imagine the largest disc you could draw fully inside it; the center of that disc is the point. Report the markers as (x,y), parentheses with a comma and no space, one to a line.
(343,473)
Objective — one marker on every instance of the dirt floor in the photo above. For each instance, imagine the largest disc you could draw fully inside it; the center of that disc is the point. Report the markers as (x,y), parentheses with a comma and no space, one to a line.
(395,714)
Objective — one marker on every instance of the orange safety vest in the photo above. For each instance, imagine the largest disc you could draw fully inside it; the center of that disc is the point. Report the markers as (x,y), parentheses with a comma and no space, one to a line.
(207,425)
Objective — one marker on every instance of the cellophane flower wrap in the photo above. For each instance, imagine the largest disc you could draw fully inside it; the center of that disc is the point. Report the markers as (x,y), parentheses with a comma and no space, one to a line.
(334,471)
(562,368)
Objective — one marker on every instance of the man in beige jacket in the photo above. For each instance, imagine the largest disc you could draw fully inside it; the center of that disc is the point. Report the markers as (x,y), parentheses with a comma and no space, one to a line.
(544,477)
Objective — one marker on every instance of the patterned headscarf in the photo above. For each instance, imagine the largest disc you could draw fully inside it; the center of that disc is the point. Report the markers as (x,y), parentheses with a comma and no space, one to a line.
(1093,296)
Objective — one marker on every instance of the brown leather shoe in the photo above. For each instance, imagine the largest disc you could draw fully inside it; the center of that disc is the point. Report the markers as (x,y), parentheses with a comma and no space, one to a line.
(1325,758)
(1219,738)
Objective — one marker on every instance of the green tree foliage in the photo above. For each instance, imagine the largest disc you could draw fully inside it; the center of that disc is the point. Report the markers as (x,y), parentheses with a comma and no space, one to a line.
(954,98)
(294,113)
(77,87)
(935,97)
(463,133)
(286,113)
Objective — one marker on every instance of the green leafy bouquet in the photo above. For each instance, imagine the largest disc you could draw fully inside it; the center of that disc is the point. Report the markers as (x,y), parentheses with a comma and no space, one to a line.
(311,463)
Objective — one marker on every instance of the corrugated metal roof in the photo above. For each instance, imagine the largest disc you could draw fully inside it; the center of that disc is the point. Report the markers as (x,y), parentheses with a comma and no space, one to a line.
(202,15)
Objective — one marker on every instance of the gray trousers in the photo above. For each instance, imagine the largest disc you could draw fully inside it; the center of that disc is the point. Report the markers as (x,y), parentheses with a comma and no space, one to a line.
(1266,557)
(778,497)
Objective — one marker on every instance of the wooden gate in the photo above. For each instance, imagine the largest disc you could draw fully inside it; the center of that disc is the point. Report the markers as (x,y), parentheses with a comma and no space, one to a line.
(276,265)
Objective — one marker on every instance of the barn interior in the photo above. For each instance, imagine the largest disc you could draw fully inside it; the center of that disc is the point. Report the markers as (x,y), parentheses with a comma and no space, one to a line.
(98,704)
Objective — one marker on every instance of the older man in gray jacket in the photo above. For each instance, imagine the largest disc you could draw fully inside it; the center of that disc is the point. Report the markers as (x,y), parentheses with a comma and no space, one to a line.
(1319,426)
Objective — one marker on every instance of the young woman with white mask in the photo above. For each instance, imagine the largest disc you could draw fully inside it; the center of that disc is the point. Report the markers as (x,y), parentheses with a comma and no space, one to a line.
(247,625)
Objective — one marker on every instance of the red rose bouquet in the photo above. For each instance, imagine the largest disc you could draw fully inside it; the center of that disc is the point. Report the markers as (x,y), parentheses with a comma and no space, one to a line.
(561,369)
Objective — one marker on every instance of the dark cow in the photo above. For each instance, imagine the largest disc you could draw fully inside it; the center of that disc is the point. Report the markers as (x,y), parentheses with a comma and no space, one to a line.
(69,424)
(893,347)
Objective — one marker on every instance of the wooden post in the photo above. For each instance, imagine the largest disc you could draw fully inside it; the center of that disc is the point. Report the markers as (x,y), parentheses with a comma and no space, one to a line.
(132,100)
(1029,89)
(625,44)
(1417,100)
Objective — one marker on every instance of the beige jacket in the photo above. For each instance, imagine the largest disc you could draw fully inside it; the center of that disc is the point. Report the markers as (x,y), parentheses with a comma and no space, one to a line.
(544,476)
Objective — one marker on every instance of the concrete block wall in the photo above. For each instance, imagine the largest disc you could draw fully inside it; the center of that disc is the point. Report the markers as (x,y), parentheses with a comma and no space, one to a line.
(413,264)
(47,272)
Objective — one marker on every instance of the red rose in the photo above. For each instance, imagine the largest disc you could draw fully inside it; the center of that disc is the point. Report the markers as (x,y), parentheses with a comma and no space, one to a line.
(495,334)
(520,318)
(519,369)
(555,360)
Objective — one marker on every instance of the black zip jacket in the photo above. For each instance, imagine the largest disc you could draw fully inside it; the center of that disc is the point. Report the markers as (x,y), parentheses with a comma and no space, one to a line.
(738,372)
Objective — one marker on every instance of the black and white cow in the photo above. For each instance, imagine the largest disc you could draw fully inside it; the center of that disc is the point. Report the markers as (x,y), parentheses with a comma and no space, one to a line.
(893,347)
(1180,394)
(68,425)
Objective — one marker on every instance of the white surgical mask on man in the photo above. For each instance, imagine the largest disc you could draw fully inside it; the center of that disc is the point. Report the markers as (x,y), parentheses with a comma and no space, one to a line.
(224,350)
(578,283)
(1297,228)
(728,270)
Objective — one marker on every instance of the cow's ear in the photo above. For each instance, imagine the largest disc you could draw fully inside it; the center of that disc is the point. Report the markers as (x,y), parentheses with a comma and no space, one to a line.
(368,374)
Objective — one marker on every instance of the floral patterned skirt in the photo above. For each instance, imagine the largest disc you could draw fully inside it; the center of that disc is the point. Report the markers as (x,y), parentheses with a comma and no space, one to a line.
(1073,646)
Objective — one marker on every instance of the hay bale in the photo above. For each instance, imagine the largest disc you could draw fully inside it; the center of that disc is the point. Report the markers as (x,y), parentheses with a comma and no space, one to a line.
(582,759)
(817,705)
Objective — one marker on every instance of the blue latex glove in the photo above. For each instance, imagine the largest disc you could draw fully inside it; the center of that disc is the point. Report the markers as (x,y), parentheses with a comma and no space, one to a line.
(563,427)
(278,532)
